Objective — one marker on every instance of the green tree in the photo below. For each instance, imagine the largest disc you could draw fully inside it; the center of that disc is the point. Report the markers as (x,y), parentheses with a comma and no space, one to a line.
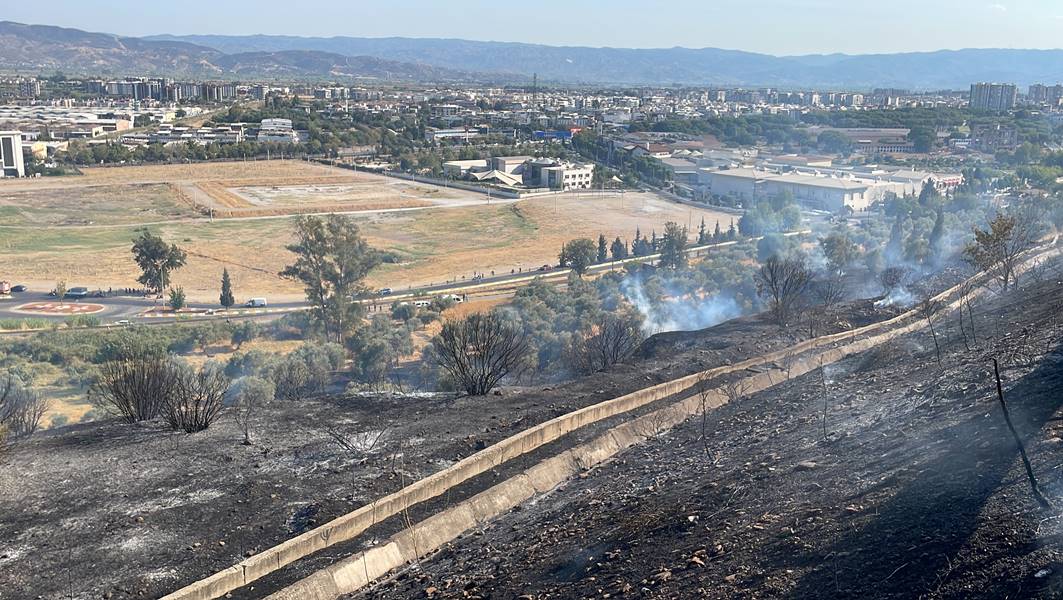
(937,234)
(244,332)
(922,138)
(156,260)
(618,249)
(839,250)
(703,234)
(673,246)
(998,250)
(332,260)
(177,298)
(603,248)
(227,300)
(579,255)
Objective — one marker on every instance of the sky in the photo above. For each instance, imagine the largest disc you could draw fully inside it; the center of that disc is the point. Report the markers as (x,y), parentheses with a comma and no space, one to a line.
(780,27)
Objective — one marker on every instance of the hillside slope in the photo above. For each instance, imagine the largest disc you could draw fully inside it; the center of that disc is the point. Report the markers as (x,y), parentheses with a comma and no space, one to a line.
(888,476)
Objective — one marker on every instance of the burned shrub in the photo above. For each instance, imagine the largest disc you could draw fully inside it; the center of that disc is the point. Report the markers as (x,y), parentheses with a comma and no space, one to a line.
(138,386)
(21,407)
(610,340)
(196,399)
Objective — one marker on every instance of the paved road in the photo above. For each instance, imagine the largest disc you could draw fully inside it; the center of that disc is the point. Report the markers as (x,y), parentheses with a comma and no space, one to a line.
(140,309)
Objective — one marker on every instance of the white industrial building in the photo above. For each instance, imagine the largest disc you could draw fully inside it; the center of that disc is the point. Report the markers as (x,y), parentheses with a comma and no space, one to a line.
(822,189)
(524,171)
(11,161)
(277,130)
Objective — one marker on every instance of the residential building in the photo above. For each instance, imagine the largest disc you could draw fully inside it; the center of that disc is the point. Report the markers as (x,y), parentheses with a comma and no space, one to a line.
(997,97)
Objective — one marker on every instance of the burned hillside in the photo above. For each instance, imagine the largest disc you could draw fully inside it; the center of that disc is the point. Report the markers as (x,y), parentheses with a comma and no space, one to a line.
(890,474)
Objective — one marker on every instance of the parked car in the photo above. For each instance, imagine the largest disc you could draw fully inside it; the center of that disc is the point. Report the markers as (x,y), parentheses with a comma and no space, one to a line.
(545,268)
(256,303)
(18,288)
(384,292)
(76,293)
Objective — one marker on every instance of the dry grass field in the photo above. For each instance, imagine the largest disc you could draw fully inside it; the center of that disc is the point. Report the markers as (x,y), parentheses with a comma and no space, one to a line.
(80,229)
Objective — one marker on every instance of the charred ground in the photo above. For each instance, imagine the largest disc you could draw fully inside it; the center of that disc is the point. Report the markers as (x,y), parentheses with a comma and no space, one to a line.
(113,510)
(118,510)
(887,475)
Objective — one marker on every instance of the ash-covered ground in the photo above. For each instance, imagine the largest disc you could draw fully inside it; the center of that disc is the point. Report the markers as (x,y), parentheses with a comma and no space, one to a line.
(888,475)
(115,510)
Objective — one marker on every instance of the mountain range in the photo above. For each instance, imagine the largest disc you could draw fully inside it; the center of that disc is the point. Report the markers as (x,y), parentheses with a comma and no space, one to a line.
(45,48)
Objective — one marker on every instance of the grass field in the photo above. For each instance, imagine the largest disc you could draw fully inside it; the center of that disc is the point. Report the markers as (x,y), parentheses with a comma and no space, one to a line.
(80,228)
(434,245)
(105,204)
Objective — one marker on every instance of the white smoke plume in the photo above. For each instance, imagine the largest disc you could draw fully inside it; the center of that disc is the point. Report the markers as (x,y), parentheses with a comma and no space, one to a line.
(677,311)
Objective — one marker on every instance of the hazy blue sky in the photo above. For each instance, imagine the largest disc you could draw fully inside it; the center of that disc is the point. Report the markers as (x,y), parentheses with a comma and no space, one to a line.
(772,26)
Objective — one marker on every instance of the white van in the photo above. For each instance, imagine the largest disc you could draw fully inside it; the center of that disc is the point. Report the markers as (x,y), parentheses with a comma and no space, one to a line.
(256,303)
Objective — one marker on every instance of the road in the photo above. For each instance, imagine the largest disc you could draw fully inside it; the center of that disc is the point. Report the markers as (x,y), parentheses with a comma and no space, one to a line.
(138,309)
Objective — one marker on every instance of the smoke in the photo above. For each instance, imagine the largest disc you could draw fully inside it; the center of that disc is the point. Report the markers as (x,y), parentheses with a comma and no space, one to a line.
(674,310)
(899,296)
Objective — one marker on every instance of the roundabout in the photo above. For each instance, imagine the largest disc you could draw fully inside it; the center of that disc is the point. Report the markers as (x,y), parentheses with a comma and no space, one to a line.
(59,309)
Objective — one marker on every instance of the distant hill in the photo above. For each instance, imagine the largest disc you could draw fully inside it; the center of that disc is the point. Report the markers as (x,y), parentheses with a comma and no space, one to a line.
(951,69)
(43,48)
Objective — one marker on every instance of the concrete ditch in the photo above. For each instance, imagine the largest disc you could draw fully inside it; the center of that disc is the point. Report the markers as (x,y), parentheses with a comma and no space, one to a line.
(354,572)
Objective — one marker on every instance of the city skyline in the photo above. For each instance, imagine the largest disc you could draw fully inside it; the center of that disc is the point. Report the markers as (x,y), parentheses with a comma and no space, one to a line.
(778,28)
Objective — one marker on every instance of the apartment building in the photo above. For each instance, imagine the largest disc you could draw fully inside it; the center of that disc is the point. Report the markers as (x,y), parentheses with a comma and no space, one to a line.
(997,97)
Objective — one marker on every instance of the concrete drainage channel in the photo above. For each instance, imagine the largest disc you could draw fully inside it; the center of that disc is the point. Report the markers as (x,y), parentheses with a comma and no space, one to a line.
(415,540)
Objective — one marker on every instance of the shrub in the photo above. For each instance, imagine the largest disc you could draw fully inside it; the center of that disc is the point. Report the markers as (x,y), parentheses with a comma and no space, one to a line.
(307,370)
(82,321)
(249,395)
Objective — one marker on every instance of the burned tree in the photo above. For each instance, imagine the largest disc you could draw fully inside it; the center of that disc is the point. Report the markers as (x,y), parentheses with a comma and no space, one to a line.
(892,278)
(928,308)
(783,282)
(998,250)
(829,293)
(609,341)
(479,351)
